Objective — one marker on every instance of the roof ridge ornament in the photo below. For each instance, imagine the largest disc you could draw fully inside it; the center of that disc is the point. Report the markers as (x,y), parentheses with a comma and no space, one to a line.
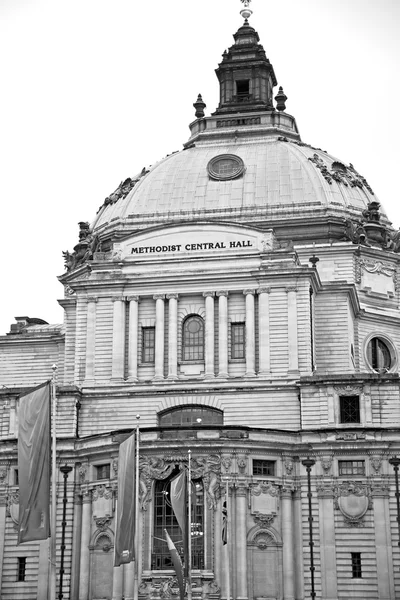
(246,12)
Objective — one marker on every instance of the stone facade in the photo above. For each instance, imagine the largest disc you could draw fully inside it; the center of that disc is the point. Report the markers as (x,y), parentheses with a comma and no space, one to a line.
(241,297)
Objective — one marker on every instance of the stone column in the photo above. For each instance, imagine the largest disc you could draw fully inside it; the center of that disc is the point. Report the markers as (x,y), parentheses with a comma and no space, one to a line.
(264,331)
(159,351)
(250,334)
(292,332)
(90,340)
(118,345)
(43,570)
(241,543)
(209,341)
(383,541)
(327,542)
(288,543)
(133,338)
(129,580)
(223,334)
(76,545)
(172,336)
(84,571)
(118,583)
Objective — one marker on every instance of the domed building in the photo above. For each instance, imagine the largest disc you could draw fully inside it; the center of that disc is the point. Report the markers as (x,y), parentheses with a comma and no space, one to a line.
(242,297)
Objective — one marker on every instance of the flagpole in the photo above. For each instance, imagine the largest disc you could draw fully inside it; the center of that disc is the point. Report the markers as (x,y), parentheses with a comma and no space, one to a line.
(136,542)
(228,566)
(53,519)
(189,594)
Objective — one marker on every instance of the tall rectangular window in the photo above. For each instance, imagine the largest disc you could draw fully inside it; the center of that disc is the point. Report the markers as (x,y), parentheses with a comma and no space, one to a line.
(237,340)
(356,565)
(349,409)
(351,467)
(148,344)
(21,568)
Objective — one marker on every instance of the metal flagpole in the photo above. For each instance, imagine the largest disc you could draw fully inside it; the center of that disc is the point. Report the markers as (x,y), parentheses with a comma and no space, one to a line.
(136,542)
(228,564)
(189,532)
(53,519)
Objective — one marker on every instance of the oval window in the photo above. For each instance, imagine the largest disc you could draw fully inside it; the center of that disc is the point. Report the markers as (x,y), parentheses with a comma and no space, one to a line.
(225,166)
(379,355)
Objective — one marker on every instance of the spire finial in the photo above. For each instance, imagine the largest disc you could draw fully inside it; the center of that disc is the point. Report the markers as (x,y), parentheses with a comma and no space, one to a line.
(246,12)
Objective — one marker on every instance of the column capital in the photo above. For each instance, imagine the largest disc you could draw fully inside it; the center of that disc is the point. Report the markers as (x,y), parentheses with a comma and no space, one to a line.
(159,297)
(223,293)
(249,291)
(132,299)
(291,288)
(264,290)
(241,490)
(91,299)
(208,294)
(118,299)
(173,296)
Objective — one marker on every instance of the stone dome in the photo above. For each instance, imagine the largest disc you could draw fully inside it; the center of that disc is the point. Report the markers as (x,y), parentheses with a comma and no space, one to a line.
(282,178)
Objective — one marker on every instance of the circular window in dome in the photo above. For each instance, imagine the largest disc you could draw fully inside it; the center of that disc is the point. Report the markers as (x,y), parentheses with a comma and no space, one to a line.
(225,166)
(380,354)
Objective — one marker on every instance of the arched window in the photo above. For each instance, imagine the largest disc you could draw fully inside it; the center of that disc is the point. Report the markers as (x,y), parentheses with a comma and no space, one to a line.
(185,416)
(193,338)
(164,519)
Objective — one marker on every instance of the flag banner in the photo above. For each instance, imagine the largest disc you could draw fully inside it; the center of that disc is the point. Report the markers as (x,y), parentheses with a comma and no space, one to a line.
(34,464)
(179,506)
(176,560)
(125,522)
(224,524)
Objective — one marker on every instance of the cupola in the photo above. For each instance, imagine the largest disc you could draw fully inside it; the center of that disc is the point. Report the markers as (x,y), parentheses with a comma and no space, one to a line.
(245,75)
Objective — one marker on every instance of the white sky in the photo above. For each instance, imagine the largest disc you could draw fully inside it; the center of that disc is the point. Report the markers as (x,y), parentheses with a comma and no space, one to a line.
(94,90)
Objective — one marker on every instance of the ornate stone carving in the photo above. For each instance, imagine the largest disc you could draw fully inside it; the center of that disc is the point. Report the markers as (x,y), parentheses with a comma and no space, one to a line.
(82,473)
(115,466)
(102,523)
(123,189)
(12,508)
(353,499)
(348,390)
(263,520)
(241,463)
(84,250)
(376,464)
(262,540)
(226,463)
(252,292)
(288,464)
(3,474)
(326,464)
(101,491)
(351,435)
(151,468)
(264,487)
(209,468)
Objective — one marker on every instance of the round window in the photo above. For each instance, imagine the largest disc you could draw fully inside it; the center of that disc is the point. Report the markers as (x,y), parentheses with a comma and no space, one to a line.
(225,166)
(379,355)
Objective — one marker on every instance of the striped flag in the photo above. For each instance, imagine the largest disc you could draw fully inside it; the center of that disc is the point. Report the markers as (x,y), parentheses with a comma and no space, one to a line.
(34,464)
(176,560)
(179,506)
(224,524)
(125,525)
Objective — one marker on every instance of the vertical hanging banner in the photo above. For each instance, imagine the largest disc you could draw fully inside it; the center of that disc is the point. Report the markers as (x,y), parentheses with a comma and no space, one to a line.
(34,464)
(176,561)
(125,527)
(179,503)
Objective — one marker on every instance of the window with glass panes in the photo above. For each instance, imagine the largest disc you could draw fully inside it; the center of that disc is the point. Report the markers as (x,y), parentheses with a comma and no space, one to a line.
(263,467)
(21,568)
(148,344)
(103,471)
(186,416)
(351,467)
(164,519)
(378,354)
(356,565)
(237,340)
(349,409)
(193,338)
